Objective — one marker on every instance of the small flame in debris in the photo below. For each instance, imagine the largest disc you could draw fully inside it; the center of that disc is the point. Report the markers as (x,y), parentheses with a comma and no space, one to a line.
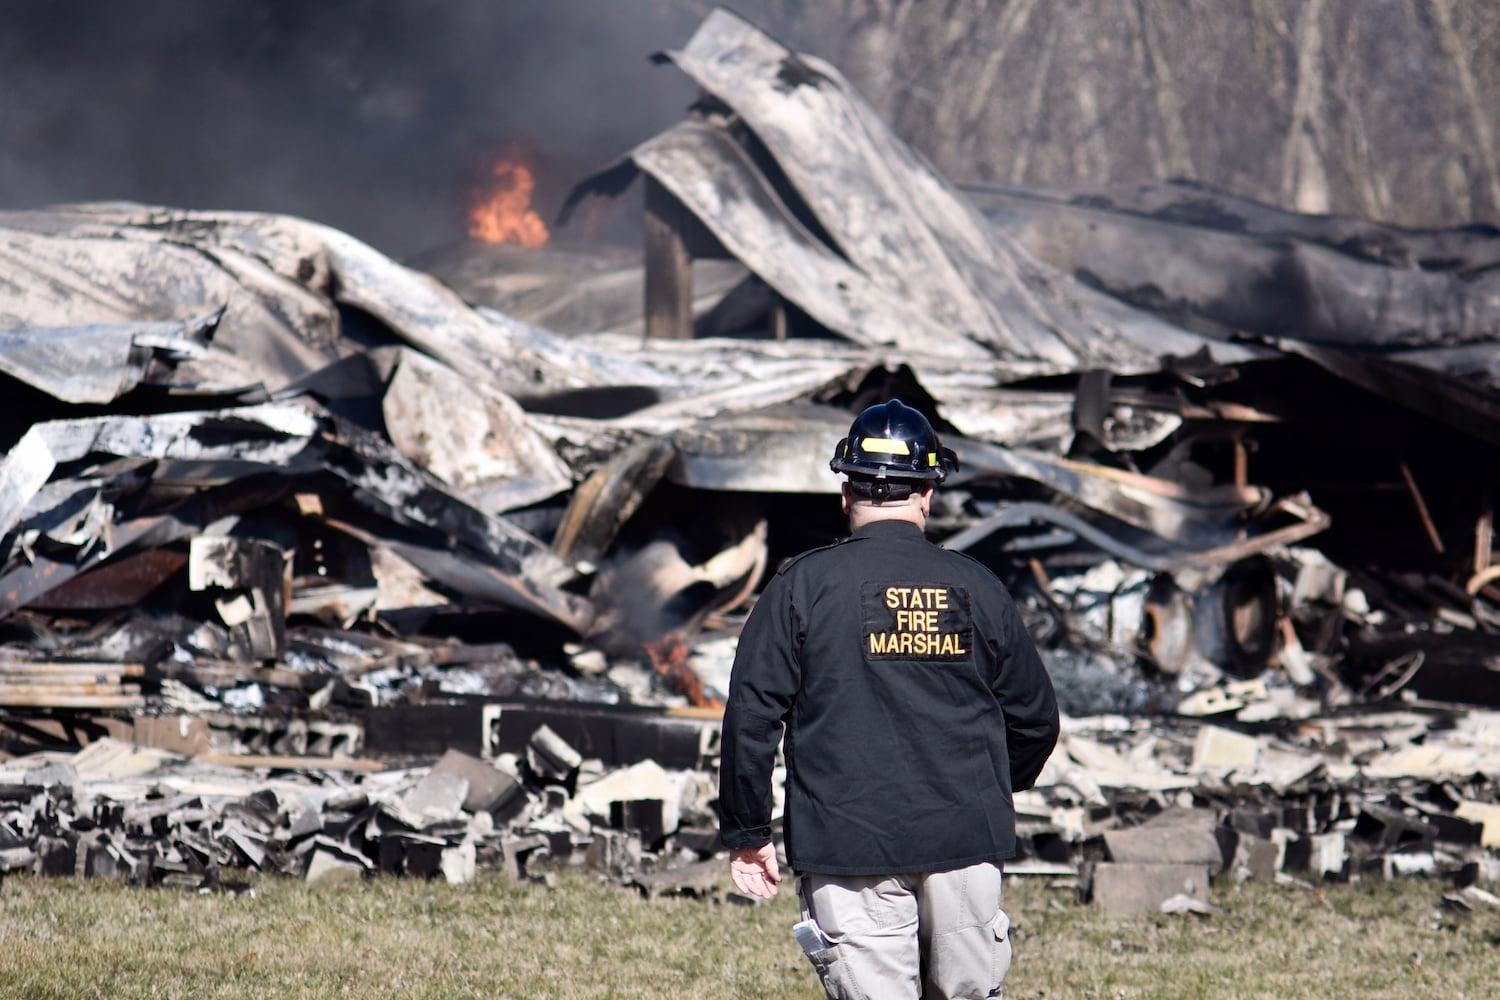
(668,657)
(502,211)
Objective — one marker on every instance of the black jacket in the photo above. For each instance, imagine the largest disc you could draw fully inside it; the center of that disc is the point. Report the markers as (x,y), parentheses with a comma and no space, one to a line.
(914,704)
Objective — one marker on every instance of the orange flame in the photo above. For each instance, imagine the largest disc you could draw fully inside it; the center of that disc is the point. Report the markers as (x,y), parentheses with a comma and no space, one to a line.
(502,212)
(668,657)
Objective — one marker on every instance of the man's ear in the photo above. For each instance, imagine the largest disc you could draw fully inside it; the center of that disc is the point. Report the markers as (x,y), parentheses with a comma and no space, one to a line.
(844,499)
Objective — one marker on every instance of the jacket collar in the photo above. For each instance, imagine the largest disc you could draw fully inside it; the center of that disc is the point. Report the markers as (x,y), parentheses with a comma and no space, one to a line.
(889,529)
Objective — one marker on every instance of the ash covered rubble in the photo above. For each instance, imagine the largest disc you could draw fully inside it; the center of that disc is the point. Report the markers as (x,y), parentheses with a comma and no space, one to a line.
(272,500)
(159,817)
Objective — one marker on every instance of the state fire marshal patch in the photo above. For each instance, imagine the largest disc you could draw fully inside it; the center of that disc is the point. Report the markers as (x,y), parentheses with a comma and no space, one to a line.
(916,621)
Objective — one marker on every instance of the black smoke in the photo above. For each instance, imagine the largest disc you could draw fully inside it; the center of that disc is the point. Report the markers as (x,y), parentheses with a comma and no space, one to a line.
(374,116)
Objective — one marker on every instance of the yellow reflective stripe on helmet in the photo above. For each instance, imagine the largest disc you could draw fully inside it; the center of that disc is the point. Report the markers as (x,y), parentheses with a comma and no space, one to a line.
(885,446)
(932,458)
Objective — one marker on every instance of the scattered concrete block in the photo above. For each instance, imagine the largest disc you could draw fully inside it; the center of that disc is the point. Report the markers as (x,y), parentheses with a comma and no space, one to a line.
(96,856)
(1258,822)
(1392,829)
(1487,813)
(1173,837)
(1319,854)
(459,863)
(1210,701)
(390,855)
(327,866)
(514,851)
(1477,870)
(1283,769)
(1400,863)
(304,823)
(56,856)
(615,854)
(1218,749)
(489,787)
(423,855)
(1255,858)
(438,796)
(249,843)
(1166,845)
(642,817)
(1454,830)
(638,782)
(550,756)
(1124,890)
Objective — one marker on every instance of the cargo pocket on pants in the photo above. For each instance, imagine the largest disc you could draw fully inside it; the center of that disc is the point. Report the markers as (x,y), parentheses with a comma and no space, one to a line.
(830,973)
(1001,962)
(823,955)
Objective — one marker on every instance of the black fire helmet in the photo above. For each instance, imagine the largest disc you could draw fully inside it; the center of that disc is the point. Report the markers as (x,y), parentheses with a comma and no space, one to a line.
(893,441)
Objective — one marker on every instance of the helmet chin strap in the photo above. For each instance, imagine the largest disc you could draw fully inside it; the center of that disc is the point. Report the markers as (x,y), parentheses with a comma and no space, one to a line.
(882,490)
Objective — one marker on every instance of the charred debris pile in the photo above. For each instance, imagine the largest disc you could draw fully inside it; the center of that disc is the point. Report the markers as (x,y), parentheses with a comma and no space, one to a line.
(271,500)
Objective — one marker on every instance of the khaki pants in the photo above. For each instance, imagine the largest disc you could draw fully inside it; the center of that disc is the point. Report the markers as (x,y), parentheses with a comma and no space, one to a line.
(934,935)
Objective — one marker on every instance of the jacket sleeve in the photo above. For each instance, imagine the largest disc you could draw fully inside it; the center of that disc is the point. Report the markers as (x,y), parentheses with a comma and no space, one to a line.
(1024,689)
(762,687)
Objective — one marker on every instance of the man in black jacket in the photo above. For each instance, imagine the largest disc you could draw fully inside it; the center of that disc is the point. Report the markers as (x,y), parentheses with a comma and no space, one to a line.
(913,704)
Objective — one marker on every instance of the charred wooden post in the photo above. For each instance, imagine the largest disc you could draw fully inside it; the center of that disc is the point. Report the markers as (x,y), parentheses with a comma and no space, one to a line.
(669,266)
(1484,531)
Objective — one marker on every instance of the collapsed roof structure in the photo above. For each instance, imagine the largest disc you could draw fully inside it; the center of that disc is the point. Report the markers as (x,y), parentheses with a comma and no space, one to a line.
(255,466)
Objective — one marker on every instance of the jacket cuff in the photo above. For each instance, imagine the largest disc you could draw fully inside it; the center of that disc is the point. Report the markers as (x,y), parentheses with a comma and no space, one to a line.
(753,837)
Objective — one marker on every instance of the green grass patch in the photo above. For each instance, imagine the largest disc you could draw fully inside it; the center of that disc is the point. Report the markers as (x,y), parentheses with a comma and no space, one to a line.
(389,937)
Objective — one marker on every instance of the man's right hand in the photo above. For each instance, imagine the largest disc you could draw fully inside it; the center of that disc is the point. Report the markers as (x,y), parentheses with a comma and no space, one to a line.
(754,870)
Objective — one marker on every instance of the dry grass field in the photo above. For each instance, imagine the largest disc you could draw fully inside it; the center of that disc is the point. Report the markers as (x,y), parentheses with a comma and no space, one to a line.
(407,938)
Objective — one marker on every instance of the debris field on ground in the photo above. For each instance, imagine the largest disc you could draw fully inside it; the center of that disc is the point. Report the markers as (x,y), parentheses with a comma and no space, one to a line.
(319,563)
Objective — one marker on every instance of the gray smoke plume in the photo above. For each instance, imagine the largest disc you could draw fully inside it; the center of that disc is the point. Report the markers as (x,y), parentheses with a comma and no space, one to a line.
(375,116)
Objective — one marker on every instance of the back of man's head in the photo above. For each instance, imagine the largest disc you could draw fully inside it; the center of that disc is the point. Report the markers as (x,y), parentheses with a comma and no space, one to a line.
(868,489)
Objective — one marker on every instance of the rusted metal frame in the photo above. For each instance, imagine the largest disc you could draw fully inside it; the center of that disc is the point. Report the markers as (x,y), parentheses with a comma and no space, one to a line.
(26,583)
(1313,520)
(119,583)
(1403,668)
(1159,506)
(1422,511)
